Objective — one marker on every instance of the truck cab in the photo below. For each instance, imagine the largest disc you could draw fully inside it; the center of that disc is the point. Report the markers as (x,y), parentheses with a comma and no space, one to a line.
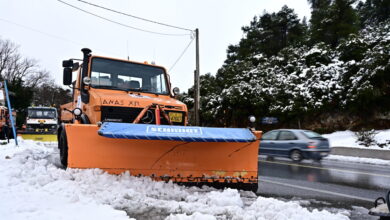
(115,90)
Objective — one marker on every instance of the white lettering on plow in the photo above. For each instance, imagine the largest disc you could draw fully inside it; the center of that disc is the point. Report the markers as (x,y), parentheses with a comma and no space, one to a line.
(168,130)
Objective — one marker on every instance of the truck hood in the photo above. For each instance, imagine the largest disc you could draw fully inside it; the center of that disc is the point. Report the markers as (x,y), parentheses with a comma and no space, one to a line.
(135,100)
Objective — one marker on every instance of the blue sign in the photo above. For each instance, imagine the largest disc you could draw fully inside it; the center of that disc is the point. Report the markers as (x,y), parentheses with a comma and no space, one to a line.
(10,113)
(175,133)
(269,120)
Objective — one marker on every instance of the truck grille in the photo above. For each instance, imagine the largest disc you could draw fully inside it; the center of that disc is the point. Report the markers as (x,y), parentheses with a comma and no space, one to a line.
(41,128)
(128,115)
(119,114)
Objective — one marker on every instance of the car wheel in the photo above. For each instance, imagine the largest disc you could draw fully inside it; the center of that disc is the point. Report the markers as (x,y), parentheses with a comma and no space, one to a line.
(296,155)
(63,146)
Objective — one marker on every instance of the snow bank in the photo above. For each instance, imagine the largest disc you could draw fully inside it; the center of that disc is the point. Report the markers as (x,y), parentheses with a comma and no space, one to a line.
(348,139)
(358,160)
(33,186)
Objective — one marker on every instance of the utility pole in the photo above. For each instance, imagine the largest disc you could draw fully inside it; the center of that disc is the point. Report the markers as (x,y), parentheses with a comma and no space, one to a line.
(197,80)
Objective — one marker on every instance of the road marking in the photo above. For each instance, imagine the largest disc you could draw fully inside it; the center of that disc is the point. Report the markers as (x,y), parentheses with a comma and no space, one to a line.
(323,168)
(316,190)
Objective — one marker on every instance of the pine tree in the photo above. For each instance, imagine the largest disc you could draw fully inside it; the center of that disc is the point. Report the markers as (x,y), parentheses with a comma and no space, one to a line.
(319,21)
(372,12)
(345,20)
(332,21)
(268,34)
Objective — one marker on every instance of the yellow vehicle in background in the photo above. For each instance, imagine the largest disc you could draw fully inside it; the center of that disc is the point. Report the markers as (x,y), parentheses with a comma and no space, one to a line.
(41,124)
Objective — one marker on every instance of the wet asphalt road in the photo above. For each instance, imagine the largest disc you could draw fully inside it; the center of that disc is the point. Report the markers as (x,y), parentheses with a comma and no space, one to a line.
(329,184)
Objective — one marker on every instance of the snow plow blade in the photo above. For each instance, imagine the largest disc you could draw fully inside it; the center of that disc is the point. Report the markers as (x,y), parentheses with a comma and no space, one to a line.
(218,157)
(40,137)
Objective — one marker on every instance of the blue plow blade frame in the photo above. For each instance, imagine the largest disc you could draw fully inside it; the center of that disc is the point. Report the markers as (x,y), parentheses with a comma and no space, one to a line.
(175,133)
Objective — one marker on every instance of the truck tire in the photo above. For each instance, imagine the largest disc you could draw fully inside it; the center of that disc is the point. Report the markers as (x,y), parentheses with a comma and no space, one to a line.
(7,132)
(10,134)
(296,155)
(63,147)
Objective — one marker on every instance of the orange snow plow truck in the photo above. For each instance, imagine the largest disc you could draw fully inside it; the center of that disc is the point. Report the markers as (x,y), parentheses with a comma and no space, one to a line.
(124,117)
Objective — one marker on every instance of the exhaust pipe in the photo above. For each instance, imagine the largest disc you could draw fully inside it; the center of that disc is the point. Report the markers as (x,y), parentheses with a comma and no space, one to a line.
(86,55)
(84,93)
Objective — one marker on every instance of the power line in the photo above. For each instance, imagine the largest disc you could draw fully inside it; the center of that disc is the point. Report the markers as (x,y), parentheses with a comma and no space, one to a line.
(118,23)
(136,17)
(47,34)
(181,55)
(38,31)
(139,29)
(82,44)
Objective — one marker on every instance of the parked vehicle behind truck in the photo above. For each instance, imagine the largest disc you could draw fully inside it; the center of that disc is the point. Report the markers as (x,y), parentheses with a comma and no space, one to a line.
(5,123)
(41,124)
(124,117)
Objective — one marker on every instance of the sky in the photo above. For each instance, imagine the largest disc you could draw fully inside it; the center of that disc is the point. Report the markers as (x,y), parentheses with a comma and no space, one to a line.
(50,31)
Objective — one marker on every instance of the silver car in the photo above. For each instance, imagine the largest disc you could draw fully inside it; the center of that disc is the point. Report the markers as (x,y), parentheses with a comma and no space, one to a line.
(295,144)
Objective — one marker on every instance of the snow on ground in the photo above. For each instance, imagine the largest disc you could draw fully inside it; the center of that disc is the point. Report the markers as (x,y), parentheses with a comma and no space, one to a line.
(358,160)
(33,186)
(348,139)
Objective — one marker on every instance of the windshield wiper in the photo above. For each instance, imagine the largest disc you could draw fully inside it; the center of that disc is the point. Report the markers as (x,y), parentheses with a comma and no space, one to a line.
(102,87)
(135,89)
(121,89)
(110,87)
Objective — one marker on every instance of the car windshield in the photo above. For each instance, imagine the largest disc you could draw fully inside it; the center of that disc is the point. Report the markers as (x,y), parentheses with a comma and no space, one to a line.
(42,113)
(312,135)
(127,76)
(271,135)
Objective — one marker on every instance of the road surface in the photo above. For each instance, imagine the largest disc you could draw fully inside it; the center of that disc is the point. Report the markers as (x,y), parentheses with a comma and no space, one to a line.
(329,184)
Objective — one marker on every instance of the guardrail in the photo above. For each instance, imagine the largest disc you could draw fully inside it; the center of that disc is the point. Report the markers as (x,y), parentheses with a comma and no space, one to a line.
(361,152)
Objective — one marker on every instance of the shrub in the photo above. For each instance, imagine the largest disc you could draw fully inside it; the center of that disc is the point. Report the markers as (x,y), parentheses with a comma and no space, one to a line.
(366,137)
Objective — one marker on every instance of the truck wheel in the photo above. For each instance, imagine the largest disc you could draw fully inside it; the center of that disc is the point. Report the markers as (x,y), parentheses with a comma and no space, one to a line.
(7,133)
(10,133)
(296,155)
(63,146)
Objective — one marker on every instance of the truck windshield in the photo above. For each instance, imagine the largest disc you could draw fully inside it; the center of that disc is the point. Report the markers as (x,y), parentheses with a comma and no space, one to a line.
(42,113)
(121,75)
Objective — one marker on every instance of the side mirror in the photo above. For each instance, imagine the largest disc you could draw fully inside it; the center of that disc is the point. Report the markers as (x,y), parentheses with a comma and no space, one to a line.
(176,90)
(67,80)
(75,66)
(67,63)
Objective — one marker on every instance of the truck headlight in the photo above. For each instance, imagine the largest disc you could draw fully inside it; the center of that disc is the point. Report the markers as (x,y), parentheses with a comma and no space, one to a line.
(77,111)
